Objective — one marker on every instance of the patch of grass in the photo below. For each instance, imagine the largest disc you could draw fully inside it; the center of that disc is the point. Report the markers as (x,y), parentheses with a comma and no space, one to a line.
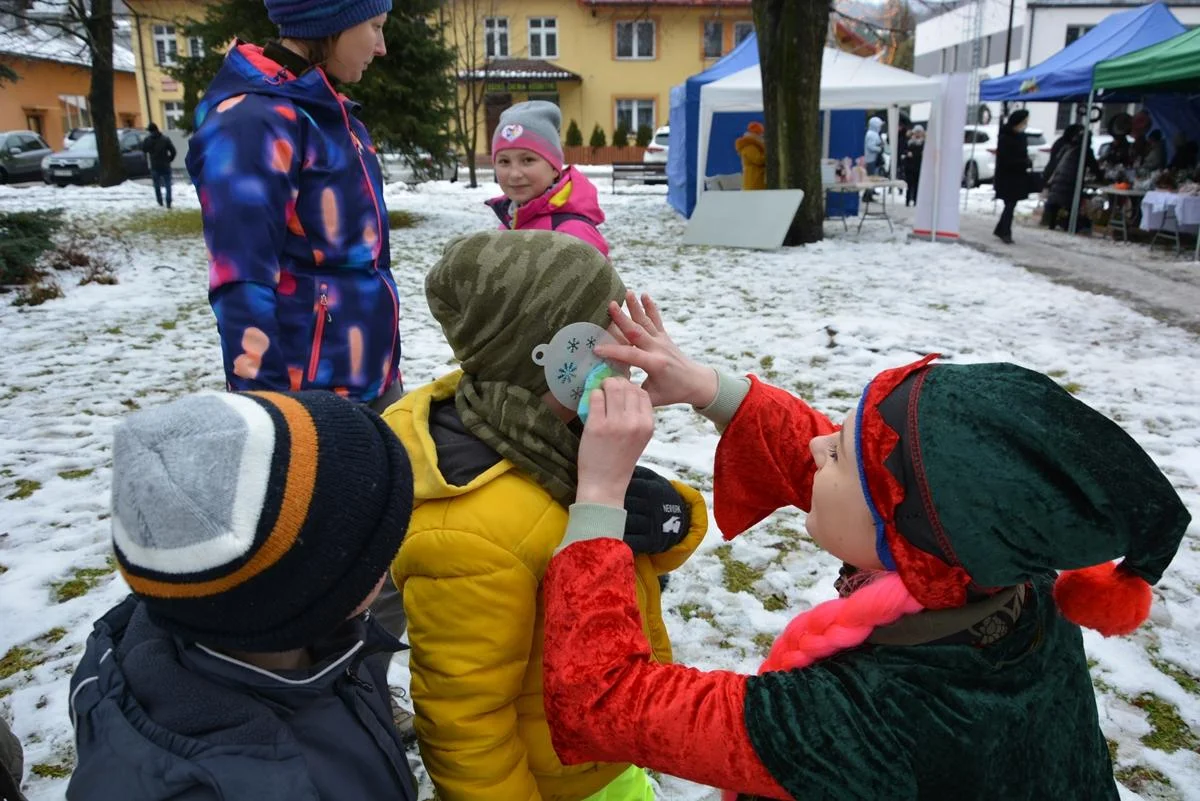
(37,294)
(402,219)
(739,576)
(1073,387)
(25,488)
(1057,373)
(47,770)
(157,336)
(82,581)
(54,635)
(940,306)
(1168,733)
(843,394)
(1184,679)
(130,403)
(116,329)
(775,603)
(177,223)
(19,659)
(763,642)
(3,570)
(1112,749)
(71,475)
(1137,777)
(690,610)
(168,325)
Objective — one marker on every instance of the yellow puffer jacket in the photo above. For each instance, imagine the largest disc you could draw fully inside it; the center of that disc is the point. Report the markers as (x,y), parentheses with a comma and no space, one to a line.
(470,572)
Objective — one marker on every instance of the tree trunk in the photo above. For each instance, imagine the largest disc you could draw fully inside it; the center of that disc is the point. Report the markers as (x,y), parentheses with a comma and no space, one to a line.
(791,41)
(99,23)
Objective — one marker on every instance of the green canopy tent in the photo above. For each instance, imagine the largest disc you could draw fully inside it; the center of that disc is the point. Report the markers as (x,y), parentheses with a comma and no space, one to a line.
(1170,66)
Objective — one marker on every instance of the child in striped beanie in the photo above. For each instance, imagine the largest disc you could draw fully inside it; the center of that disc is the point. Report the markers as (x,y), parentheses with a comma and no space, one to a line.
(254,530)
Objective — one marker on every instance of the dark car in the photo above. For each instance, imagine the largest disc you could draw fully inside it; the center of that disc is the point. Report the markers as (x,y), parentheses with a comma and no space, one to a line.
(79,164)
(21,154)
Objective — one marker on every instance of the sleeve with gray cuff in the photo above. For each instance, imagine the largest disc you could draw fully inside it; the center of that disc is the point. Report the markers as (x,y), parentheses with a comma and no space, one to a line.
(731,392)
(589,521)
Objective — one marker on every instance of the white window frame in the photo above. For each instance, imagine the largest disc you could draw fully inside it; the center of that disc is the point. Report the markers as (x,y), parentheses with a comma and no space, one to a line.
(635,39)
(542,30)
(742,25)
(76,113)
(495,33)
(720,23)
(636,105)
(166,46)
(173,114)
(195,47)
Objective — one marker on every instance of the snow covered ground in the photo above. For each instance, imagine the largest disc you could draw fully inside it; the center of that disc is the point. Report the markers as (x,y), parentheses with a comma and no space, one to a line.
(819,321)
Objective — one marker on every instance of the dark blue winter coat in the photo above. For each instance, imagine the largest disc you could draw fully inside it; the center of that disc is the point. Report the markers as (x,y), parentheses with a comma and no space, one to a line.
(156,718)
(297,232)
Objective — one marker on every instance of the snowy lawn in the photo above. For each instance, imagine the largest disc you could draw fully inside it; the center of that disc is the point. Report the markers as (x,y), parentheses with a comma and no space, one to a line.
(819,321)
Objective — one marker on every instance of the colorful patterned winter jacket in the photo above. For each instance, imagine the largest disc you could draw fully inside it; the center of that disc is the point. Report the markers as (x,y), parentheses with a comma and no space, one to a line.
(571,206)
(297,232)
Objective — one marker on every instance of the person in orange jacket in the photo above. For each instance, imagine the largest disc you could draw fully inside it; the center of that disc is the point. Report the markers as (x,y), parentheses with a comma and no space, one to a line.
(753,149)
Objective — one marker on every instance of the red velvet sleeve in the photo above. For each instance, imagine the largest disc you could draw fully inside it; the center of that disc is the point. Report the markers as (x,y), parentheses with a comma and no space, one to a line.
(763,460)
(607,701)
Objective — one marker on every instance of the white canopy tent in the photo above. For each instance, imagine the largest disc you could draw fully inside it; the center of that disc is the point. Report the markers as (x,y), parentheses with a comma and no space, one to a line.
(847,81)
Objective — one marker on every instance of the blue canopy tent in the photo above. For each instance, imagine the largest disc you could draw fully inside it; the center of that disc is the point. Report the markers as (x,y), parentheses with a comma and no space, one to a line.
(1067,75)
(685,121)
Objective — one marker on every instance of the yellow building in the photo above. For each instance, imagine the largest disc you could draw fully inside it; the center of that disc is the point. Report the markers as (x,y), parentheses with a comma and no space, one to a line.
(605,62)
(158,42)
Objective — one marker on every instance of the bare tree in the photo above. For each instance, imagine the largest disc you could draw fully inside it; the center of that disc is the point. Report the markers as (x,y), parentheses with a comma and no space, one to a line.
(462,25)
(91,23)
(791,42)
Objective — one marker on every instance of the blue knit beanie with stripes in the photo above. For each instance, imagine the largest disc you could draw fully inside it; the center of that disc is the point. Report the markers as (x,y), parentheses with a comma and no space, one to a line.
(316,19)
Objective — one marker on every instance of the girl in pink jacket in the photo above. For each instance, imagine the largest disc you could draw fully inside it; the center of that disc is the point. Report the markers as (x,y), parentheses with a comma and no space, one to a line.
(539,192)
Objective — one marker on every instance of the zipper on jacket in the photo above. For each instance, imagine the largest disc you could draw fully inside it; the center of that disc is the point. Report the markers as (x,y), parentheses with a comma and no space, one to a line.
(378,228)
(323,316)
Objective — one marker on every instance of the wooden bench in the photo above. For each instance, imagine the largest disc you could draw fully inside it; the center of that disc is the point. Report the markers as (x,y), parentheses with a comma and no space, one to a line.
(637,172)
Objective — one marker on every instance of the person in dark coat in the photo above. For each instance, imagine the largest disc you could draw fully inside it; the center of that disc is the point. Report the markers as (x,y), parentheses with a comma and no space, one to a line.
(1062,173)
(161,152)
(1012,170)
(254,530)
(914,154)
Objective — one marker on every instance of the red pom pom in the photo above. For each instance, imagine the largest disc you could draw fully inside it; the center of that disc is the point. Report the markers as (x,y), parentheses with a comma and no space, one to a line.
(1103,597)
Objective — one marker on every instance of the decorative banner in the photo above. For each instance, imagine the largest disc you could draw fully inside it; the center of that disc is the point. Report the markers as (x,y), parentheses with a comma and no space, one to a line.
(520,86)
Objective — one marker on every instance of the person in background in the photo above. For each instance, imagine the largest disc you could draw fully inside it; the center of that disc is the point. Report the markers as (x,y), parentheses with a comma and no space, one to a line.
(1185,153)
(1060,186)
(752,150)
(1156,152)
(1012,180)
(540,193)
(161,152)
(1139,148)
(291,193)
(914,155)
(12,764)
(873,147)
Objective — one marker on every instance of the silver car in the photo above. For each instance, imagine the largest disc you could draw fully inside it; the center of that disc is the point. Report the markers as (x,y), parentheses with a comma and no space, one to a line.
(21,154)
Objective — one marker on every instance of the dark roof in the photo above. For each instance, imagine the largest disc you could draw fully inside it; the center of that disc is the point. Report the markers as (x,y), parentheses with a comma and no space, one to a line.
(520,69)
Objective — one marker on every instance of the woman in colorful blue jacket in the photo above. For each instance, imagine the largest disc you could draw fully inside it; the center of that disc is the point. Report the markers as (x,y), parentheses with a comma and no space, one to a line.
(294,219)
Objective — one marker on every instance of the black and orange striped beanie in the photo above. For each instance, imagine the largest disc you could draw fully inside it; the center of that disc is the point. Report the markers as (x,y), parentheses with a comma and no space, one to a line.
(257,521)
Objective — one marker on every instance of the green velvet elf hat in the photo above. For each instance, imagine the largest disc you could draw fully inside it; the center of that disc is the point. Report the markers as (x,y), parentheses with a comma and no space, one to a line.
(982,476)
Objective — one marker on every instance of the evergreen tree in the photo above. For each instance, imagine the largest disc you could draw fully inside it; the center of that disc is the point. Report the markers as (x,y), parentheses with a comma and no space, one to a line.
(598,139)
(574,135)
(644,135)
(621,136)
(407,96)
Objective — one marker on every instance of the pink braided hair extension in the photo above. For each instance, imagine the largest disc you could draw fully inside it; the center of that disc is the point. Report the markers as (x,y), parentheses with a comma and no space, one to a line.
(841,623)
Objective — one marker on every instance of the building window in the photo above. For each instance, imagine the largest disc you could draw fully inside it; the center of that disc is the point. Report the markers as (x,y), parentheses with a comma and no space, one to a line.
(35,123)
(714,37)
(1076,31)
(635,39)
(195,47)
(634,114)
(742,31)
(166,48)
(543,37)
(495,37)
(75,111)
(173,114)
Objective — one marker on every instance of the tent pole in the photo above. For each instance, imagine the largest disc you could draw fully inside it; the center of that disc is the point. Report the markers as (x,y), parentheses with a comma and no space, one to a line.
(825,139)
(1083,145)
(935,134)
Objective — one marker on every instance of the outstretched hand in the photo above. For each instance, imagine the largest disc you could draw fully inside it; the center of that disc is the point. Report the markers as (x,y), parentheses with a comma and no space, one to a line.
(671,376)
(618,429)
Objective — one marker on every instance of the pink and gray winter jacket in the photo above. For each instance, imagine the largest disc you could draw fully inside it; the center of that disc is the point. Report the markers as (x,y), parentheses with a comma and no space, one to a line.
(571,206)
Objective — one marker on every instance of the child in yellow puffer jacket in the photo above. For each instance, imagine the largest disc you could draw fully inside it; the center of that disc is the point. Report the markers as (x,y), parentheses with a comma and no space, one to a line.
(753,149)
(494,463)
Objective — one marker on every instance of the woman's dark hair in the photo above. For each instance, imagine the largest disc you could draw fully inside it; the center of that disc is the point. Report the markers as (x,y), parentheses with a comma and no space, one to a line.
(319,51)
(1016,118)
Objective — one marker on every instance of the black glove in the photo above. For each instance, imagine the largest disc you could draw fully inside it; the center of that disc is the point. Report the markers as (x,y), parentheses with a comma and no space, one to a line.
(656,517)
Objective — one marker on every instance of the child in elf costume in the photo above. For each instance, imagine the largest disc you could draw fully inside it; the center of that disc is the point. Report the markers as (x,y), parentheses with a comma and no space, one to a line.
(753,151)
(493,447)
(539,192)
(952,666)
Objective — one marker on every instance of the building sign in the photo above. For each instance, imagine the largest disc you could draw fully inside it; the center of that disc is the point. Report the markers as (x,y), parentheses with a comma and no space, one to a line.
(170,85)
(521,86)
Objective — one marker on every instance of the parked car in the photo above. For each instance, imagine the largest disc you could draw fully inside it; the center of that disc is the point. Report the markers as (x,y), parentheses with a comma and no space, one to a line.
(79,164)
(660,145)
(979,152)
(74,135)
(419,167)
(21,154)
(1101,145)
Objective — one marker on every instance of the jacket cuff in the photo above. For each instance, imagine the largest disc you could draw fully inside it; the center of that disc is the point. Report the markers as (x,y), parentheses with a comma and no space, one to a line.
(731,392)
(589,521)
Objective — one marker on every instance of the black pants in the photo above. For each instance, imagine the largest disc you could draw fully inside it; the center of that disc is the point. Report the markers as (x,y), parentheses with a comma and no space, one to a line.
(388,608)
(1004,227)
